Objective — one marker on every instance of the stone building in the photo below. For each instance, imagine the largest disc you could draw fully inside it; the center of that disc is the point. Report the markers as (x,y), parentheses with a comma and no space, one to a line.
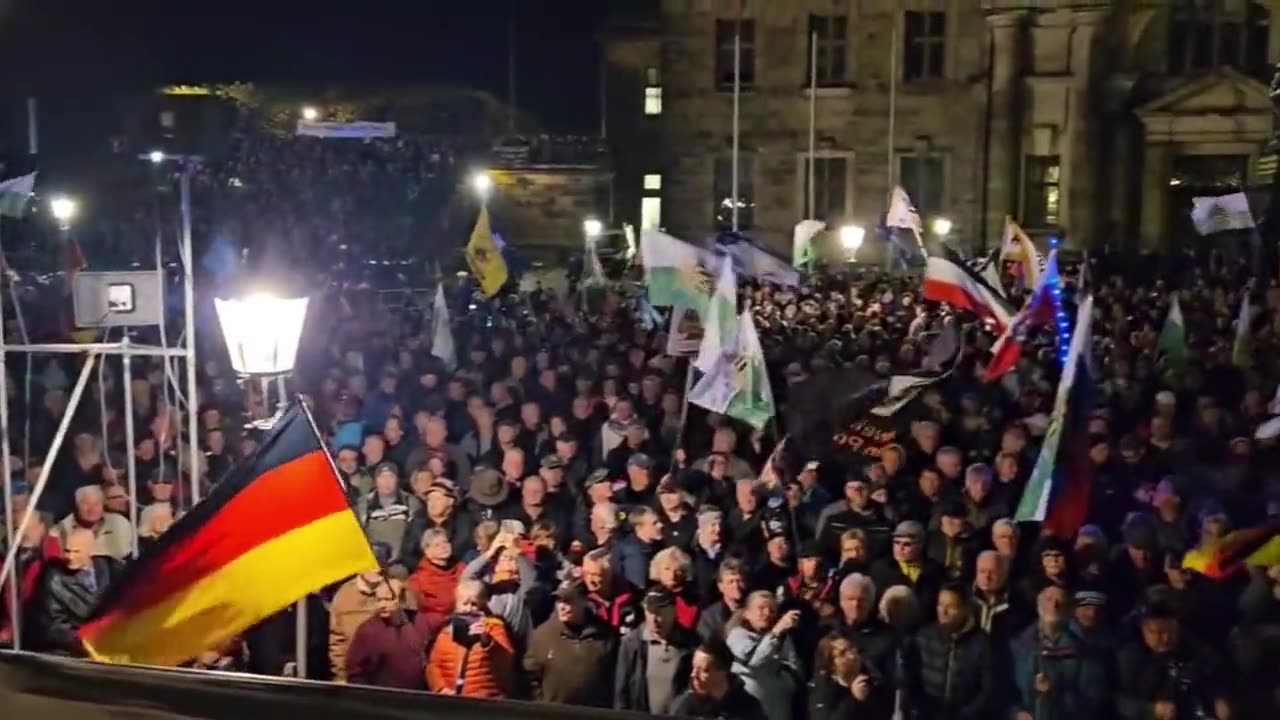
(1095,119)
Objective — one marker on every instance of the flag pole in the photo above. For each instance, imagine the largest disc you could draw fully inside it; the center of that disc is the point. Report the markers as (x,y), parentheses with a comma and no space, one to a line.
(813,116)
(10,537)
(893,102)
(737,92)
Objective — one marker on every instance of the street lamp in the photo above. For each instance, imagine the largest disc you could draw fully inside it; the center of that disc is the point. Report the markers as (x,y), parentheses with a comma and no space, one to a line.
(310,113)
(851,237)
(482,184)
(64,210)
(156,157)
(941,227)
(592,227)
(262,333)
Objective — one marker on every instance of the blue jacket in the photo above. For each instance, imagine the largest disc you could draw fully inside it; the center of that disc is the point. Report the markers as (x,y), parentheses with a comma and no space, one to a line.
(1077,676)
(631,559)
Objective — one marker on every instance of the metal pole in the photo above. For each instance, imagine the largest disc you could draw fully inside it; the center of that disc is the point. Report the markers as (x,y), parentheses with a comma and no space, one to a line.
(737,91)
(33,128)
(15,609)
(893,101)
(300,608)
(189,292)
(72,405)
(511,70)
(131,466)
(813,117)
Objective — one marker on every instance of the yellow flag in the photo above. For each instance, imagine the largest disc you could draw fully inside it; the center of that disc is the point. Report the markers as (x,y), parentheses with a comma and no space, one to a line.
(1022,251)
(485,258)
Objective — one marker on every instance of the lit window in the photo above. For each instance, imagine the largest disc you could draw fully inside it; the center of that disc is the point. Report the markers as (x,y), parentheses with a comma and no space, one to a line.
(653,100)
(653,181)
(650,213)
(1041,192)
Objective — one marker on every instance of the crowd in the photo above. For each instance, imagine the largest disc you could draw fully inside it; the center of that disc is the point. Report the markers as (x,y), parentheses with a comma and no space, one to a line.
(552,525)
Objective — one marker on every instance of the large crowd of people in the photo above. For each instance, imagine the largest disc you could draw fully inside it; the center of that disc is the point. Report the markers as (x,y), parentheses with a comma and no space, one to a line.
(553,524)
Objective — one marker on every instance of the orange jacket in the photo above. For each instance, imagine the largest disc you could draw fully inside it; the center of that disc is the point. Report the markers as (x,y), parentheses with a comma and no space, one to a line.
(490,663)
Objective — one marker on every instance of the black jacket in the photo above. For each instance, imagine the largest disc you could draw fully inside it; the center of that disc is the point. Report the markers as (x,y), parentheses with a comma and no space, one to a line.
(885,573)
(631,687)
(62,604)
(736,705)
(1190,676)
(950,674)
(875,641)
(829,700)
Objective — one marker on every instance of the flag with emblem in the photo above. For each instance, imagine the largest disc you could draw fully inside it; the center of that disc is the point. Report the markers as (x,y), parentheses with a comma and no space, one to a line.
(1173,336)
(675,272)
(1242,348)
(1221,213)
(484,257)
(1038,312)
(720,327)
(1018,249)
(738,384)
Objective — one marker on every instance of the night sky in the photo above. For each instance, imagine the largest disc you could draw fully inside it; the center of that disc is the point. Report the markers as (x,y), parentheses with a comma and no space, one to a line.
(60,49)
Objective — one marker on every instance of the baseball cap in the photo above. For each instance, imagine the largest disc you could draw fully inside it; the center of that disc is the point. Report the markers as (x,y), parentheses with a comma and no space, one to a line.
(596,477)
(552,462)
(1086,598)
(809,548)
(640,460)
(442,485)
(571,590)
(811,466)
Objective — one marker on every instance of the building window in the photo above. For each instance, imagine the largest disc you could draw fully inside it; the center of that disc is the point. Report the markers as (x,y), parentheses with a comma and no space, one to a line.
(653,100)
(925,45)
(1040,191)
(653,181)
(830,187)
(725,33)
(650,213)
(1208,34)
(924,179)
(831,34)
(722,191)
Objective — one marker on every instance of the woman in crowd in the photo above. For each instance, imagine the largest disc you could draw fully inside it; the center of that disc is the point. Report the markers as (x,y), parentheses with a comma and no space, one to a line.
(764,657)
(473,656)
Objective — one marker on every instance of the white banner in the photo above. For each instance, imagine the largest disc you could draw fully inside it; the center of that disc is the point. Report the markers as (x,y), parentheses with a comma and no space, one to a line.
(319,129)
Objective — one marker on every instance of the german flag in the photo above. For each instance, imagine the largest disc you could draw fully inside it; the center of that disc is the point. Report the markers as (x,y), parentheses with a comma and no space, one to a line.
(1257,546)
(275,529)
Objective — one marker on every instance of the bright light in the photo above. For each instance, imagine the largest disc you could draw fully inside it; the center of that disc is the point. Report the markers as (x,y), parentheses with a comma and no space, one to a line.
(156,156)
(262,332)
(310,113)
(851,237)
(941,226)
(63,209)
(592,227)
(482,183)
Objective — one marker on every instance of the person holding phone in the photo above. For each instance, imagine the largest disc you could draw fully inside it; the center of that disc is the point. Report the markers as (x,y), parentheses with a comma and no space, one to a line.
(764,656)
(473,656)
(843,687)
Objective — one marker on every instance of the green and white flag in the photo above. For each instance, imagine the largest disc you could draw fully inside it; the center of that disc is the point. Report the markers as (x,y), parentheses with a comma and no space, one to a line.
(15,195)
(720,325)
(738,384)
(1173,336)
(803,252)
(754,402)
(675,272)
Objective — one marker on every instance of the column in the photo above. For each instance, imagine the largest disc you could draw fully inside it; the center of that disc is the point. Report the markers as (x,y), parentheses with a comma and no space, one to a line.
(1003,170)
(1157,162)
(1079,148)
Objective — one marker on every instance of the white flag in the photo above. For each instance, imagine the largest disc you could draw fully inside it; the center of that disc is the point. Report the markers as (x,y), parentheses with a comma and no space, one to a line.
(902,214)
(442,331)
(802,251)
(1224,212)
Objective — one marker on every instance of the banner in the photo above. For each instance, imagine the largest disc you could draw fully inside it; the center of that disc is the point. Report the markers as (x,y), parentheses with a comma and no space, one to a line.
(1224,212)
(865,438)
(686,332)
(320,129)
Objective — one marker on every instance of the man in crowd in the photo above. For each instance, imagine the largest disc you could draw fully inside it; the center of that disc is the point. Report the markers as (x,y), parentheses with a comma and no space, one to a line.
(571,656)
(112,534)
(69,591)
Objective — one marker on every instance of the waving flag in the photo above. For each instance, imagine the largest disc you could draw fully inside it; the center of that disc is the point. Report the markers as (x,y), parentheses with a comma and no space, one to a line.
(442,345)
(802,251)
(738,384)
(15,195)
(1223,212)
(484,257)
(1173,336)
(1249,547)
(720,326)
(948,279)
(275,529)
(1058,491)
(1242,348)
(1020,249)
(1038,312)
(902,214)
(675,272)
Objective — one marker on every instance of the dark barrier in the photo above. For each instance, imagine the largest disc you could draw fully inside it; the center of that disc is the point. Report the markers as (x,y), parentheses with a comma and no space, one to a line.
(50,688)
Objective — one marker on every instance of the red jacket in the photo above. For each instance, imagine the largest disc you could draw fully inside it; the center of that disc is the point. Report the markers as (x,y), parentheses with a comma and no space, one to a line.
(434,586)
(30,571)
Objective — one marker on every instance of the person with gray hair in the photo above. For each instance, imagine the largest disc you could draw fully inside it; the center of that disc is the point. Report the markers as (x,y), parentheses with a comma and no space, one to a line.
(857,621)
(707,552)
(112,533)
(982,507)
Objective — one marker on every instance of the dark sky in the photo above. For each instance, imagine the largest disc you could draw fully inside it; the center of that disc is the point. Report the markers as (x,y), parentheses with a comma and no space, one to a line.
(57,48)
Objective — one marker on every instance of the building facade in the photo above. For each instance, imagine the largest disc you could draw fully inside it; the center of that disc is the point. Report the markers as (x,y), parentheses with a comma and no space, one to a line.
(1097,120)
